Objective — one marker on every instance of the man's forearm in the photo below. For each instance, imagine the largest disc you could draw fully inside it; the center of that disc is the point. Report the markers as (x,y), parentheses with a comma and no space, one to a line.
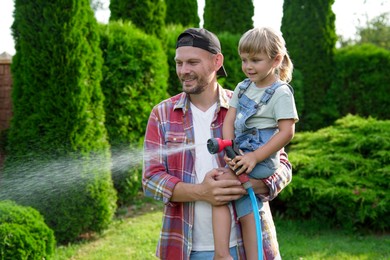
(186,192)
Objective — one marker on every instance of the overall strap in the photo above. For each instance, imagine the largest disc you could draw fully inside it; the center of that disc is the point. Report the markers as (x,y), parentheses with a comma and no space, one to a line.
(243,87)
(270,91)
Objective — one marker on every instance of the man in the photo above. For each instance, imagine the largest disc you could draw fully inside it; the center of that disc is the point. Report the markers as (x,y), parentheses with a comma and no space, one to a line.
(187,180)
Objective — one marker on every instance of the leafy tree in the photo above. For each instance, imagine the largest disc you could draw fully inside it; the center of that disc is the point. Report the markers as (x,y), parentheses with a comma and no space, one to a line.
(376,31)
(308,27)
(233,16)
(183,12)
(58,153)
(148,15)
(96,5)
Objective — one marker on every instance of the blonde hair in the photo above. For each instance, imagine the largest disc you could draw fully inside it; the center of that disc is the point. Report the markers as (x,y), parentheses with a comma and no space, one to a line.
(268,41)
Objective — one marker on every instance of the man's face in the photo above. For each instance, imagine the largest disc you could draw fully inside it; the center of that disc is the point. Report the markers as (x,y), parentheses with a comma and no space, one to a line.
(195,68)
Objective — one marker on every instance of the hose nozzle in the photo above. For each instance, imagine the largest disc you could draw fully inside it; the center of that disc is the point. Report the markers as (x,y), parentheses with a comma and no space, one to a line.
(216,145)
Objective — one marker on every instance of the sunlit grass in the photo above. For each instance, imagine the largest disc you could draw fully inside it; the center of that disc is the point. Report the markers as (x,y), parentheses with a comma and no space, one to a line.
(136,238)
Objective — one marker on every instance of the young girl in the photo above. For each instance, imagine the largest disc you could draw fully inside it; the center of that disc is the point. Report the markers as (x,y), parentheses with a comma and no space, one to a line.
(261,119)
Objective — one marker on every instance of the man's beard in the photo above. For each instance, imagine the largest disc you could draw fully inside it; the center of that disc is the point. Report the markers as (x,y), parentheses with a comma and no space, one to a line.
(197,89)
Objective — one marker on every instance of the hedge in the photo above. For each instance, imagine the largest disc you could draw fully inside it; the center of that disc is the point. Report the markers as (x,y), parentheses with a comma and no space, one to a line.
(135,75)
(341,174)
(361,85)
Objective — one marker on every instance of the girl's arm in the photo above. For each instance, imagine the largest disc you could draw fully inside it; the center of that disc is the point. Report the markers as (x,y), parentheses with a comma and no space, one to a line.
(228,124)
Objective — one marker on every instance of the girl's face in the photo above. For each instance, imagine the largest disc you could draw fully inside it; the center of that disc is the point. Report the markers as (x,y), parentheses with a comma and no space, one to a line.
(259,68)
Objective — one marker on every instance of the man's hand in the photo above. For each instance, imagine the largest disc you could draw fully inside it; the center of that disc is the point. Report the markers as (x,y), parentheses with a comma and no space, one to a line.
(259,187)
(215,189)
(219,192)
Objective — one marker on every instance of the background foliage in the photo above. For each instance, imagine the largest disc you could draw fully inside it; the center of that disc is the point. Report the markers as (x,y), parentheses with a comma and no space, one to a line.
(225,16)
(133,82)
(58,116)
(342,175)
(24,229)
(309,30)
(184,12)
(361,84)
(148,15)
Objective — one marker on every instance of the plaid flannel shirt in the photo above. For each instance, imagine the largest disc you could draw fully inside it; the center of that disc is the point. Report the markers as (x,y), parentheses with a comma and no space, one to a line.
(169,127)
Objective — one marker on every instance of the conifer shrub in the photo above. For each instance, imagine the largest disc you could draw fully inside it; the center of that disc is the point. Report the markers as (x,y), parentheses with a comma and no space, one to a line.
(234,16)
(232,60)
(172,31)
(147,15)
(309,30)
(23,233)
(135,74)
(341,174)
(58,158)
(184,12)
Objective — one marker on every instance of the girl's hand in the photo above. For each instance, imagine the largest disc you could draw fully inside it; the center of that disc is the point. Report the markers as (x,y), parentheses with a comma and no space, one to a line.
(247,162)
(229,162)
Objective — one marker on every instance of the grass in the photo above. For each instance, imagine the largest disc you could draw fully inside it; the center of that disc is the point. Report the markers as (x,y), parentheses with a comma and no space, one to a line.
(134,235)
(311,240)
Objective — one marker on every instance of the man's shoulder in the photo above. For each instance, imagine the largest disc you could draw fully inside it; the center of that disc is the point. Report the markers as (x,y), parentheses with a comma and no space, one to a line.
(170,105)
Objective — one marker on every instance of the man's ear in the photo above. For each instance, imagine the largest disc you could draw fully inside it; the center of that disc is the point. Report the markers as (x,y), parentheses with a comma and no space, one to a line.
(218,61)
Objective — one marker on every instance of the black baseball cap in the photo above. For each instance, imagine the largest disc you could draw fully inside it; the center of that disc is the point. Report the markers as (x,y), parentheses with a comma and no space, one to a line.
(201,38)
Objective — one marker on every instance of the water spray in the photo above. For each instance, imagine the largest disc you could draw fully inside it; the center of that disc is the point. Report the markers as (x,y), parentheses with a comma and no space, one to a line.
(216,145)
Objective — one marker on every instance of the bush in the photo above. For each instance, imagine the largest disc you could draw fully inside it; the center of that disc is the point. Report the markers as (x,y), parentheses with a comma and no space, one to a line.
(135,74)
(23,233)
(361,86)
(341,174)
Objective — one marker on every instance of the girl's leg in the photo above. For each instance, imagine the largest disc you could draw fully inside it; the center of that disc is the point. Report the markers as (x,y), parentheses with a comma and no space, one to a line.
(249,236)
(222,225)
(221,231)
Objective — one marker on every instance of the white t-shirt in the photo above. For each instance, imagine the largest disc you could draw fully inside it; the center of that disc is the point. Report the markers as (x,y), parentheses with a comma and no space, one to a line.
(204,162)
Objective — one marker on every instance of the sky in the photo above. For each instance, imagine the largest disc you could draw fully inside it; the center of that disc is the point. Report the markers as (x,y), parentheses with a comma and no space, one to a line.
(349,14)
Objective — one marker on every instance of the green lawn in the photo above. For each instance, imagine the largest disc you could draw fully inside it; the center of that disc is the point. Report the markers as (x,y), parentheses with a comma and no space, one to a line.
(135,237)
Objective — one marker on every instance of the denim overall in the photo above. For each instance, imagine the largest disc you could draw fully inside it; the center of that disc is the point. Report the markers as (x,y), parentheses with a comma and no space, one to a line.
(249,139)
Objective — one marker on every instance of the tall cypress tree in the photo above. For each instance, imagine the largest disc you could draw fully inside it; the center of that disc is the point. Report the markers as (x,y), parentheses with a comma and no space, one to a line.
(234,16)
(57,147)
(183,12)
(148,15)
(308,27)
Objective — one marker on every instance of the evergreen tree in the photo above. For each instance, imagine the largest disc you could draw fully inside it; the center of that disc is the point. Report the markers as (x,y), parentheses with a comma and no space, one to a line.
(57,145)
(183,12)
(148,15)
(233,16)
(308,27)
(135,74)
